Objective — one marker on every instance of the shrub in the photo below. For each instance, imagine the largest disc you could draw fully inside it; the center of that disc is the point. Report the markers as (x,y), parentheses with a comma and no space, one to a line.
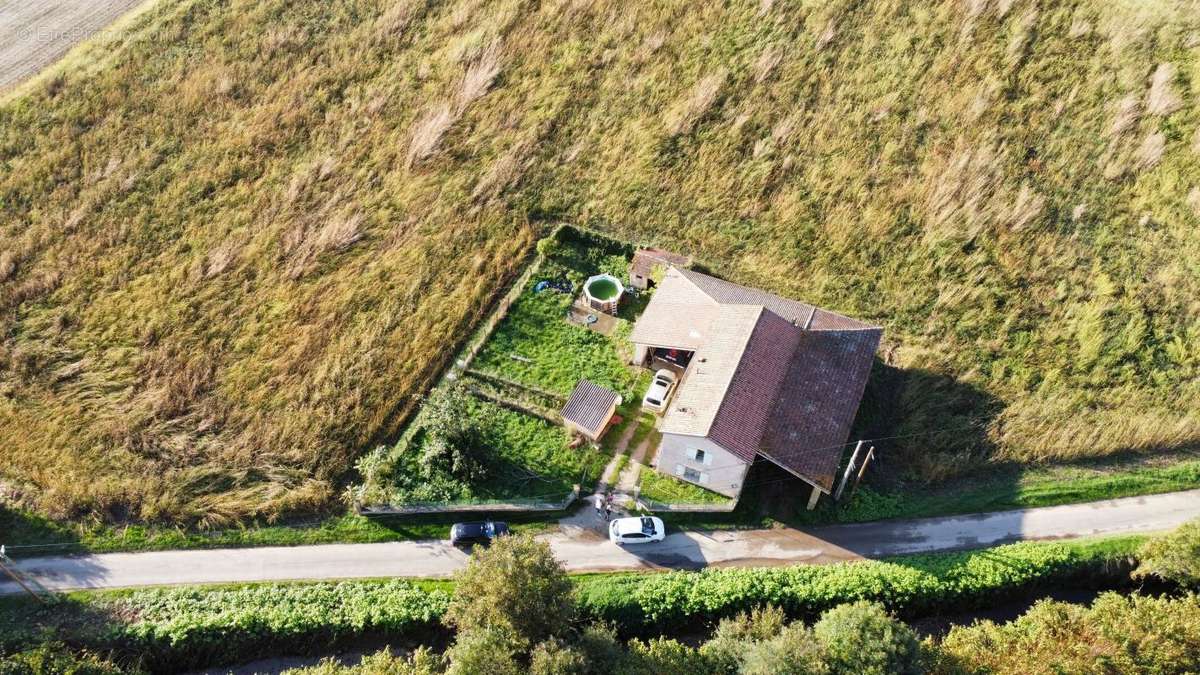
(516,585)
(184,628)
(861,638)
(793,651)
(726,648)
(1115,635)
(485,651)
(456,432)
(662,656)
(1173,557)
(53,658)
(553,657)
(599,643)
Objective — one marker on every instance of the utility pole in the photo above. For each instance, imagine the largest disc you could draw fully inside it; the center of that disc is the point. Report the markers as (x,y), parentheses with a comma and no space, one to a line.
(846,475)
(863,470)
(10,568)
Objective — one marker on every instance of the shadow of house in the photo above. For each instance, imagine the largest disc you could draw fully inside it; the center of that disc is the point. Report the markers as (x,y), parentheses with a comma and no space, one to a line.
(929,425)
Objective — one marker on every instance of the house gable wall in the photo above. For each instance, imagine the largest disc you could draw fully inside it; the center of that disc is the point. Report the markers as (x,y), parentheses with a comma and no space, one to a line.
(725,472)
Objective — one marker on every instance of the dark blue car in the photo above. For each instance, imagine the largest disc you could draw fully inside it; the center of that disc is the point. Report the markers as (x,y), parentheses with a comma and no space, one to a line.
(466,534)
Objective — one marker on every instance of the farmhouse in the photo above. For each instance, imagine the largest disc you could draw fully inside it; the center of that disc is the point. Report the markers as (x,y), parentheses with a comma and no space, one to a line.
(761,375)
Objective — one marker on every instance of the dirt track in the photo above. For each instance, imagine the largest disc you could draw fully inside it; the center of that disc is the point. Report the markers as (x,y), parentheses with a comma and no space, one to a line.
(36,33)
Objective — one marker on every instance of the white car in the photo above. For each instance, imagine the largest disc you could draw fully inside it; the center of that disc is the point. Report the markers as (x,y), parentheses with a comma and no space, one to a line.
(636,530)
(659,392)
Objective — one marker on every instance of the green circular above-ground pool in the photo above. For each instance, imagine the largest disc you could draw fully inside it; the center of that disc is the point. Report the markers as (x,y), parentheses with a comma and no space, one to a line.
(603,292)
(603,289)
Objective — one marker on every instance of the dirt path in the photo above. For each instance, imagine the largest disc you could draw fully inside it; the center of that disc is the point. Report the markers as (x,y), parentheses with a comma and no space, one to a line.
(637,461)
(36,33)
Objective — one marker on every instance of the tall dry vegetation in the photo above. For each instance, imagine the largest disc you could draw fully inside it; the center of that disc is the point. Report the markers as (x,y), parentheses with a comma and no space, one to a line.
(233,255)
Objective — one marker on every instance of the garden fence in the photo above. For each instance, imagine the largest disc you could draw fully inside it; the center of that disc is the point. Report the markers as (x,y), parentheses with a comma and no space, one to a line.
(531,505)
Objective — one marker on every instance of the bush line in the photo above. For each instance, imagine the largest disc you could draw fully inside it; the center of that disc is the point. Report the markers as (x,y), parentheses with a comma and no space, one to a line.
(174,629)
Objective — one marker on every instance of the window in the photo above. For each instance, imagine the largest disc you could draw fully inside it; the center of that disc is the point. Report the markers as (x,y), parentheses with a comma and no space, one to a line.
(699,456)
(691,474)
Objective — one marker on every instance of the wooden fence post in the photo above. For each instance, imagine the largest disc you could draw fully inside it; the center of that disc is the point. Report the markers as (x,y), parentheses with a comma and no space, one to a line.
(863,470)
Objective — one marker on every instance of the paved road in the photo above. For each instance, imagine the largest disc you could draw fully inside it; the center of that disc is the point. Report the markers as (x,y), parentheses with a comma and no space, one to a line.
(582,550)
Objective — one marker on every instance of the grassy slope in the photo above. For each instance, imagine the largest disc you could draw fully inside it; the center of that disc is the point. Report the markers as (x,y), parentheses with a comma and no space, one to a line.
(229,256)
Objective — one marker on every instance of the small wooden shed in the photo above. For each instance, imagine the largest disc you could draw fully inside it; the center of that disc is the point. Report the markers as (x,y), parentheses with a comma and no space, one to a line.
(647,261)
(589,409)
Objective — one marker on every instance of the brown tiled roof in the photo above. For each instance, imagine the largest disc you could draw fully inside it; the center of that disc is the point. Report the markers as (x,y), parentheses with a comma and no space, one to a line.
(644,260)
(817,401)
(745,412)
(588,406)
(711,372)
(770,376)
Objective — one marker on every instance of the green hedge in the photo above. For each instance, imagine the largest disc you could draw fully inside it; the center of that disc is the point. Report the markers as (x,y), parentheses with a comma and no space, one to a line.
(176,629)
(193,627)
(909,586)
(169,630)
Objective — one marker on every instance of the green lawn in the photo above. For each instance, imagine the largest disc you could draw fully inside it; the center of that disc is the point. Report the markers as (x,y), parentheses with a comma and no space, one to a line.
(1015,489)
(670,490)
(529,460)
(536,346)
(767,501)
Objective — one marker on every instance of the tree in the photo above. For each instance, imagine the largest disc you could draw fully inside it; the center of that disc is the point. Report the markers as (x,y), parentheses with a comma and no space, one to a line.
(662,656)
(516,585)
(484,650)
(862,638)
(553,657)
(794,651)
(1173,557)
(456,428)
(734,636)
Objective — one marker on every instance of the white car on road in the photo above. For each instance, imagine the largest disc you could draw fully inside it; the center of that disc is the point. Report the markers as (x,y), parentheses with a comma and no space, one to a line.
(636,530)
(660,391)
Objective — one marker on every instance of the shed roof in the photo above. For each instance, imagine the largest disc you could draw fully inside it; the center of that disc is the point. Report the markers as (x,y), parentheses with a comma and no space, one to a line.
(588,406)
(644,260)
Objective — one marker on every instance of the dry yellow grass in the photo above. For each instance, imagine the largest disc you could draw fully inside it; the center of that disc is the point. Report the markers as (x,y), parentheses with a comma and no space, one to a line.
(232,256)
